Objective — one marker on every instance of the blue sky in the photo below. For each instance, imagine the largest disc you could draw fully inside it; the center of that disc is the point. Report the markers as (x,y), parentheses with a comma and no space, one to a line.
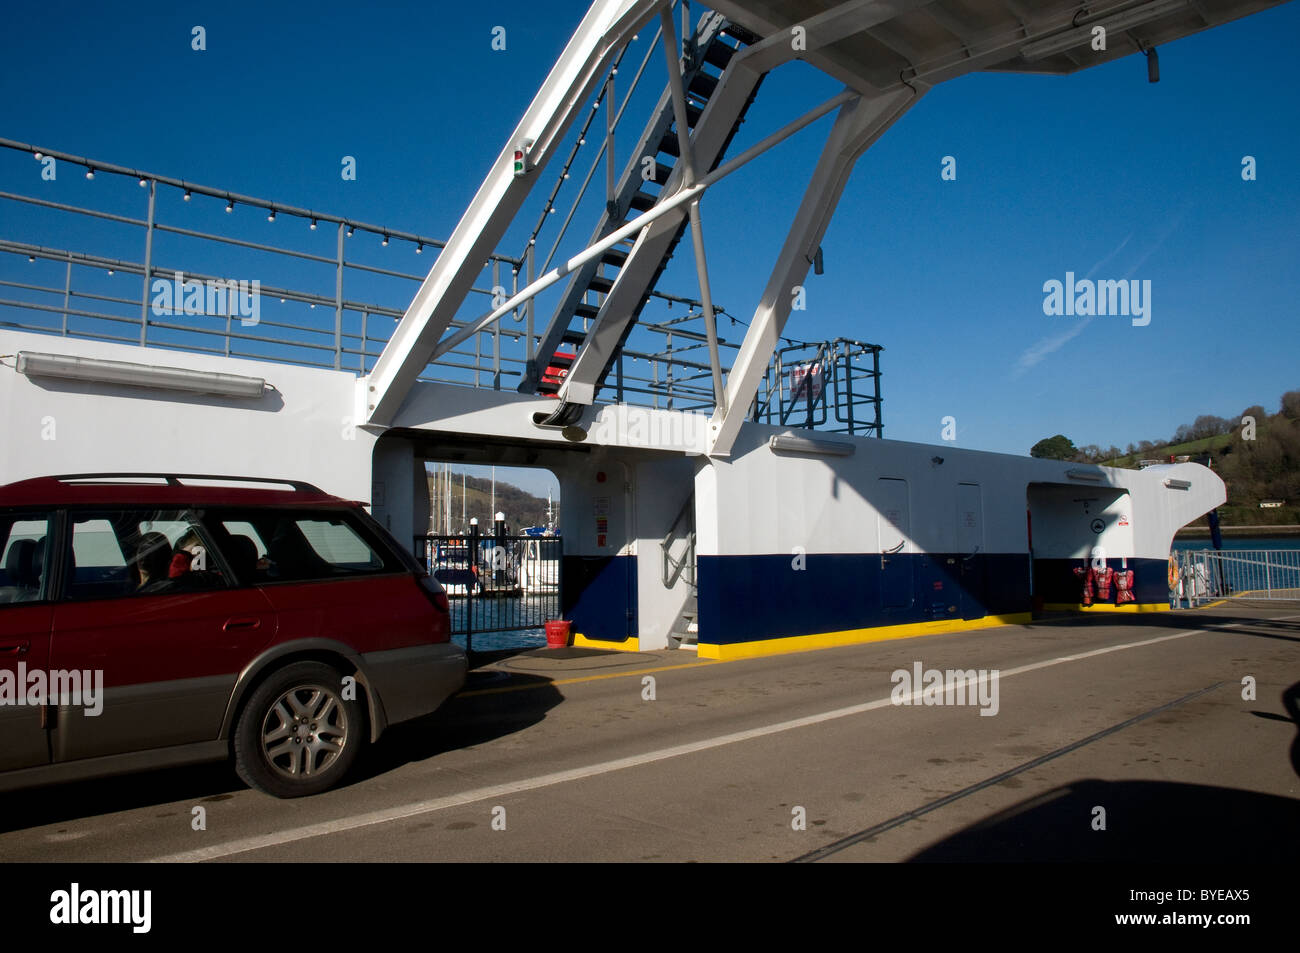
(1098,173)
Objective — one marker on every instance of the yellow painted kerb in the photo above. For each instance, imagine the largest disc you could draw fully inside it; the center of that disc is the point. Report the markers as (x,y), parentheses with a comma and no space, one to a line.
(1107,607)
(828,640)
(632,644)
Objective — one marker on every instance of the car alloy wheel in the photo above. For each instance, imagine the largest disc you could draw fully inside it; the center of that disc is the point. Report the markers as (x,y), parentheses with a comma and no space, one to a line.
(298,734)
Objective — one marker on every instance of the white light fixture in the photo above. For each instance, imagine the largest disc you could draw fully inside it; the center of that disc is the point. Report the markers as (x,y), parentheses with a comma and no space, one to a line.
(1178,484)
(313,225)
(34,364)
(385,241)
(230,205)
(1082,35)
(1090,476)
(271,217)
(792,443)
(90,173)
(187,195)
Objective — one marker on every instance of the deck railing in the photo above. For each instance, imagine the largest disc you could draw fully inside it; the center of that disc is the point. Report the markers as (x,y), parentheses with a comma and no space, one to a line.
(1270,575)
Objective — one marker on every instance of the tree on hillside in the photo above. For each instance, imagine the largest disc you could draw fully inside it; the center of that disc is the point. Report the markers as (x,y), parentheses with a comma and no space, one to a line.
(1208,425)
(1291,404)
(1059,447)
(1258,412)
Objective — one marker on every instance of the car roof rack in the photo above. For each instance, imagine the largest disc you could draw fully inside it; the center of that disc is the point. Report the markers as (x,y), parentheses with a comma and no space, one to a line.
(174,479)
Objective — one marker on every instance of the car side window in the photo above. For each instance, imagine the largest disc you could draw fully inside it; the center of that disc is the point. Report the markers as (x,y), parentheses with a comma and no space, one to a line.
(24,557)
(138,552)
(298,546)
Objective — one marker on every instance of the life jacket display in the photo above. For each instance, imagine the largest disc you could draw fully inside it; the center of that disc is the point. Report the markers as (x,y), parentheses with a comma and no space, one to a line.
(1104,579)
(1124,587)
(1088,575)
(1097,584)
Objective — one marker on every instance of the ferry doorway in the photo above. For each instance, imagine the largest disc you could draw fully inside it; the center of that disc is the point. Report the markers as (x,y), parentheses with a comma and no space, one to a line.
(591,490)
(1071,527)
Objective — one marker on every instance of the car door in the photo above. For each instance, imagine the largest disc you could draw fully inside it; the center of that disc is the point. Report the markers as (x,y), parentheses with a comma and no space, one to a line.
(167,652)
(25,618)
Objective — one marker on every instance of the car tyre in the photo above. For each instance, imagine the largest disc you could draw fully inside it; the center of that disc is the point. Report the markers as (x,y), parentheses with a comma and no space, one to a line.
(298,734)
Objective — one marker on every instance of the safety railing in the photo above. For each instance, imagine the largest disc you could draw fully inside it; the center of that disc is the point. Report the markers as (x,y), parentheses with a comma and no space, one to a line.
(831,385)
(295,285)
(1271,575)
(496,583)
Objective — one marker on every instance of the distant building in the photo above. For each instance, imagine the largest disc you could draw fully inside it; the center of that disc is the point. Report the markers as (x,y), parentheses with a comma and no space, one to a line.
(1271,504)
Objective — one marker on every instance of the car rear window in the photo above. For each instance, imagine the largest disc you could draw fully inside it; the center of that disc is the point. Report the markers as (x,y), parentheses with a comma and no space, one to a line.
(302,545)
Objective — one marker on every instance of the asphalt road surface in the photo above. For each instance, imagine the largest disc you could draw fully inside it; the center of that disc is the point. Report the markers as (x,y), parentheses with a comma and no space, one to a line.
(1105,737)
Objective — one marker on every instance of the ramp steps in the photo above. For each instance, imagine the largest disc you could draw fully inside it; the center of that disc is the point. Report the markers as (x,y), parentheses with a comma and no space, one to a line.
(713,45)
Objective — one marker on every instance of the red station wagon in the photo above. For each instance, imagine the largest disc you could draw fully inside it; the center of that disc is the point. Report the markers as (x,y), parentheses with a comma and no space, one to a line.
(150,620)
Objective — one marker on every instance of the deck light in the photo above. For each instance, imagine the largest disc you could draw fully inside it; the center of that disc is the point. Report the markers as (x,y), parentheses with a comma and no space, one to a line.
(349,231)
(66,366)
(271,217)
(792,443)
(419,249)
(143,182)
(90,172)
(230,205)
(39,156)
(187,195)
(385,241)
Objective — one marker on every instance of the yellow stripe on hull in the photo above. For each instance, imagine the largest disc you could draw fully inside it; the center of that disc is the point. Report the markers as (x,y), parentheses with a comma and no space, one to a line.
(580,641)
(830,640)
(1107,607)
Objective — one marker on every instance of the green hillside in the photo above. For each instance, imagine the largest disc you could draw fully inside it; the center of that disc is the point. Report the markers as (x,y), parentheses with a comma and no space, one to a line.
(1257,461)
(520,507)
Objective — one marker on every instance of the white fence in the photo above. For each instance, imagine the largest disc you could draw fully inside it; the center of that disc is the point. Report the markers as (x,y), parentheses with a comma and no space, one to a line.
(1271,575)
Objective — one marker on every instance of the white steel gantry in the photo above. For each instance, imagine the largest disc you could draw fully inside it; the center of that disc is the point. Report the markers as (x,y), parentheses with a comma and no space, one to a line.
(887,53)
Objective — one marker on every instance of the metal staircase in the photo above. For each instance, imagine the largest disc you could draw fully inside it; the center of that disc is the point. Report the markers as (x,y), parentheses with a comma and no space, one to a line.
(679,567)
(635,263)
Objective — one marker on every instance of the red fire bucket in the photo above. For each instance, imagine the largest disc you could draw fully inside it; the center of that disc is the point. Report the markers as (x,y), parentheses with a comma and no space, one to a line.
(557,634)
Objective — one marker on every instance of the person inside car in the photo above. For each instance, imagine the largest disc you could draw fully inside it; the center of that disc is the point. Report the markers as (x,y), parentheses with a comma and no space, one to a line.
(189,549)
(152,562)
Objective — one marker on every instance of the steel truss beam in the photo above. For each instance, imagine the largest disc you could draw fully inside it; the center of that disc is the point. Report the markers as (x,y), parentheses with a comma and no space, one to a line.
(859,124)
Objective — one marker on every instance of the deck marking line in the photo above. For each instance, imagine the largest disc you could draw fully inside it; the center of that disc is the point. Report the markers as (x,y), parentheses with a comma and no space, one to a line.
(900,819)
(357,821)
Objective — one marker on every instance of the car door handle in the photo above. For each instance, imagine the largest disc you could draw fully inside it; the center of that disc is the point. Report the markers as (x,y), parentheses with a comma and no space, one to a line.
(14,648)
(232,624)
